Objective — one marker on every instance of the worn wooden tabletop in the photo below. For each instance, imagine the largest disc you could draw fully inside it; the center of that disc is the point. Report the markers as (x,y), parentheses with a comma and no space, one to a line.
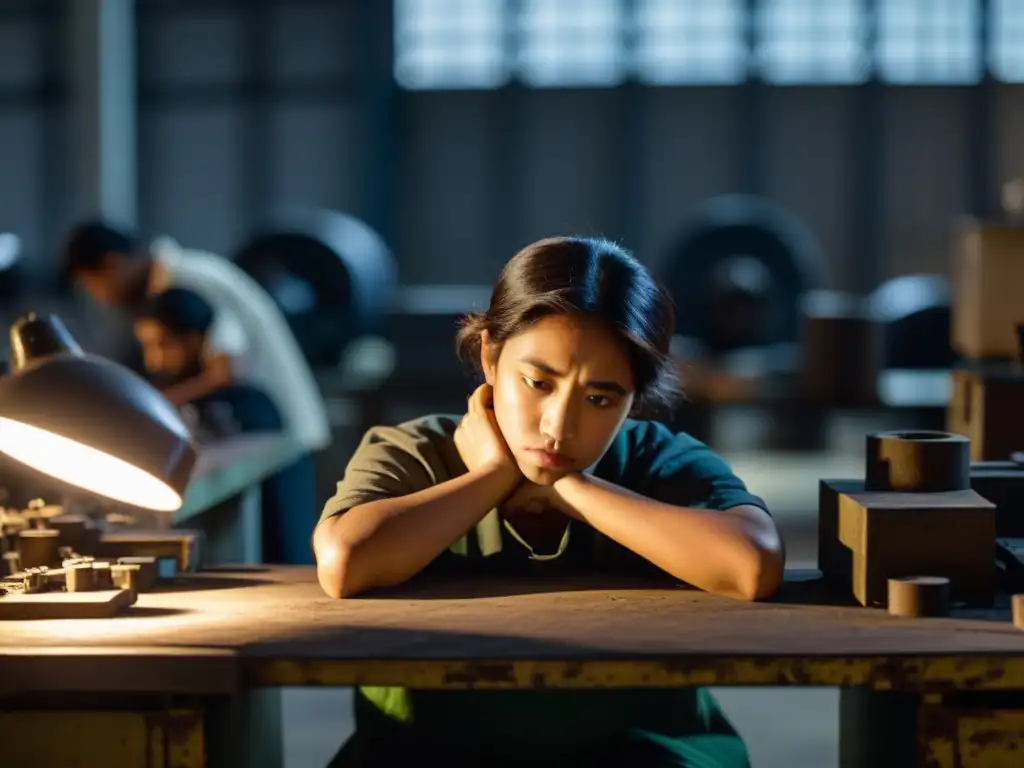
(274,627)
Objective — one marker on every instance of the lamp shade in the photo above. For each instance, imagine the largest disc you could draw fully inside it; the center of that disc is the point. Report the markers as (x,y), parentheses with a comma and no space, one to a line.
(91,422)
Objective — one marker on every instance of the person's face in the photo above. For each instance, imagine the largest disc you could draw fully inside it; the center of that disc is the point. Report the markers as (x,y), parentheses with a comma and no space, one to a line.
(109,284)
(562,389)
(164,353)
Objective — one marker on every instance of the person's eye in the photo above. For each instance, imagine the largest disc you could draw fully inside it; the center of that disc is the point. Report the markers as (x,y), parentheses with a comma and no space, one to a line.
(601,401)
(535,384)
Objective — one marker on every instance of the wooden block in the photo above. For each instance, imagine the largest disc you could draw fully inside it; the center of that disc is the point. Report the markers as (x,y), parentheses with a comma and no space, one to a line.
(126,577)
(38,546)
(895,535)
(80,578)
(985,408)
(64,605)
(919,596)
(921,461)
(885,535)
(835,561)
(1018,611)
(147,575)
(988,273)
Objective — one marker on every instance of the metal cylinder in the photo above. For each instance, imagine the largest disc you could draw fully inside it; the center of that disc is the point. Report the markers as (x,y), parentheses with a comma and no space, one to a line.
(923,461)
(38,547)
(11,563)
(919,596)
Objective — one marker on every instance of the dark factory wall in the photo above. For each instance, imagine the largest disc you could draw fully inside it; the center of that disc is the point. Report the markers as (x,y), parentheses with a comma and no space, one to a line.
(243,106)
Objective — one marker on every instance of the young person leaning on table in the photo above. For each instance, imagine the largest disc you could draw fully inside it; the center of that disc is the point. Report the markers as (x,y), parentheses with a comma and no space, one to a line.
(548,469)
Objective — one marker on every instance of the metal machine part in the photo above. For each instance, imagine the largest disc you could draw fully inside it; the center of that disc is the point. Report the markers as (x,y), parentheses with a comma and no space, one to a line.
(922,461)
(332,275)
(738,271)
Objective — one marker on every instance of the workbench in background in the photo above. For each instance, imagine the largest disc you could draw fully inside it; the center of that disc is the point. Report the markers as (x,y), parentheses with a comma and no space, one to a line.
(223,500)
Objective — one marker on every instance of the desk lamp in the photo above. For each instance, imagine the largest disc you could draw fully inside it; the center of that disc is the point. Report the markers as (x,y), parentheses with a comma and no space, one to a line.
(91,422)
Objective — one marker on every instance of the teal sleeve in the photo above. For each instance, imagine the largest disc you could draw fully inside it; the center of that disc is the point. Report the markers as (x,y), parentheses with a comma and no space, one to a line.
(678,469)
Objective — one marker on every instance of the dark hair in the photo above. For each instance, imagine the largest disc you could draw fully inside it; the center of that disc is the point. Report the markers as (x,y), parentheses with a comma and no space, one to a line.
(90,241)
(589,277)
(180,311)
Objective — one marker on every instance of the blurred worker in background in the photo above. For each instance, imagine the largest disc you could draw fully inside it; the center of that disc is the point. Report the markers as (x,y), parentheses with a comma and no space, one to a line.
(173,329)
(248,343)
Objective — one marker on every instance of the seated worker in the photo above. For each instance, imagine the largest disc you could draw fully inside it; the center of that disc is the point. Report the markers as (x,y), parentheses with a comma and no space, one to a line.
(546,472)
(249,342)
(173,329)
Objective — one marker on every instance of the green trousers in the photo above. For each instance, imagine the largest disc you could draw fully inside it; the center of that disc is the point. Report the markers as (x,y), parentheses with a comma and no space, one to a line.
(379,742)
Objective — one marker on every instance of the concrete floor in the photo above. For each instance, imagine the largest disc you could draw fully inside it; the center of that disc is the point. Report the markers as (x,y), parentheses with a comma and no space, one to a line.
(783,727)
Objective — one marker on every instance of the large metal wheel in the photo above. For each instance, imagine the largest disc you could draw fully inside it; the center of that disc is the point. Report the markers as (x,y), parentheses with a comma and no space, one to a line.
(738,271)
(332,275)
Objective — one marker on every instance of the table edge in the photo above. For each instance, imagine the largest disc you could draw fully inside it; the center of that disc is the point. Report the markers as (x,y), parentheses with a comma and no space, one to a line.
(974,671)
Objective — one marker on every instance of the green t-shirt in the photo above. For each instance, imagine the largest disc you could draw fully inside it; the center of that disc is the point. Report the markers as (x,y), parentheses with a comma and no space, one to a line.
(645,457)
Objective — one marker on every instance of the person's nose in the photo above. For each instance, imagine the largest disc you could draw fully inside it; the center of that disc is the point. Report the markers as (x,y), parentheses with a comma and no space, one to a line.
(560,421)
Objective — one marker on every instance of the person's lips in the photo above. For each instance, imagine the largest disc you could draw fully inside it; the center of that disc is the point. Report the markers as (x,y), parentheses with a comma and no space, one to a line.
(549,459)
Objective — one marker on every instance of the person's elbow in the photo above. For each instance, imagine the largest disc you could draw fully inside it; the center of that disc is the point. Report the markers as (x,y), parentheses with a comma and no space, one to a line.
(333,563)
(761,570)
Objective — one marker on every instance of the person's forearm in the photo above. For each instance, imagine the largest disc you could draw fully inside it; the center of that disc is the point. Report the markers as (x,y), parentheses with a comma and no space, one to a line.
(389,541)
(726,552)
(190,390)
(215,374)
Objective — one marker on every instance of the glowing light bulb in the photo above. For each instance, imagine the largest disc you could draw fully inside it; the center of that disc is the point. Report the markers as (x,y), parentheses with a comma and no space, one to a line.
(85,467)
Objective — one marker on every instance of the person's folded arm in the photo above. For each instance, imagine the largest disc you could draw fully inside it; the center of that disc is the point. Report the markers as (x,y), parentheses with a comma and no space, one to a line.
(735,552)
(691,517)
(389,520)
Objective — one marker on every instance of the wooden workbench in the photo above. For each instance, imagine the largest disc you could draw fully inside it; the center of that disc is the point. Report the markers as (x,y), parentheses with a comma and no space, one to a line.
(222,636)
(266,616)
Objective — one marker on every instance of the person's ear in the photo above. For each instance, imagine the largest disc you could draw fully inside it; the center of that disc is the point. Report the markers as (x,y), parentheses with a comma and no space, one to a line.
(487,361)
